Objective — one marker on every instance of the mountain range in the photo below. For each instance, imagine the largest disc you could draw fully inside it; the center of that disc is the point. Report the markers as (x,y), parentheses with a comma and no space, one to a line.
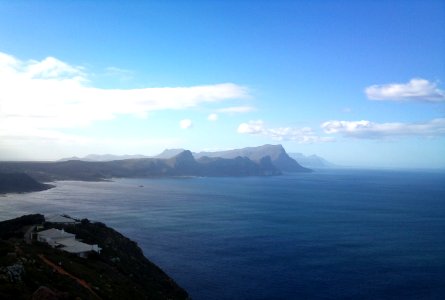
(265,160)
(307,161)
(277,154)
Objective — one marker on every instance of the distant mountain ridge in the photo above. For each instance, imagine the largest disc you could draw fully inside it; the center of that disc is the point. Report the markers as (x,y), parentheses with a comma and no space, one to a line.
(104,157)
(183,164)
(169,153)
(279,158)
(277,154)
(312,161)
(265,160)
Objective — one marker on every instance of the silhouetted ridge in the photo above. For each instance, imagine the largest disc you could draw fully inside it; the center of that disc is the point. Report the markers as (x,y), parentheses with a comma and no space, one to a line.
(20,183)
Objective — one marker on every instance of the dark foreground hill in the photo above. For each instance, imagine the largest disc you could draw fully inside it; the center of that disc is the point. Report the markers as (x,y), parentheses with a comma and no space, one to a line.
(37,271)
(20,183)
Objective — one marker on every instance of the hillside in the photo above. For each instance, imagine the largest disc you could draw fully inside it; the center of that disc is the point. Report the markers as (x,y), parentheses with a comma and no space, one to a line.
(183,164)
(279,158)
(238,166)
(169,153)
(20,183)
(267,160)
(37,271)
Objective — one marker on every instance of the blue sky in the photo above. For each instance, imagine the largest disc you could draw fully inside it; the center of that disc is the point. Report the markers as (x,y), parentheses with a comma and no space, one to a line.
(360,83)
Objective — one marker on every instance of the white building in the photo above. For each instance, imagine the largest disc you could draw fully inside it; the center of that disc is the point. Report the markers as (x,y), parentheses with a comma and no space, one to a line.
(66,241)
(78,248)
(51,236)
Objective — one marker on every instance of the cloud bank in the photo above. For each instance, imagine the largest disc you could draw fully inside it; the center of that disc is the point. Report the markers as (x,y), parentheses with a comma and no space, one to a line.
(416,89)
(303,135)
(369,130)
(40,97)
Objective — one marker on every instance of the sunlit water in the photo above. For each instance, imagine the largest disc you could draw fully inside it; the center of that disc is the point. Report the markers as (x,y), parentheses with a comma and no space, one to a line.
(325,235)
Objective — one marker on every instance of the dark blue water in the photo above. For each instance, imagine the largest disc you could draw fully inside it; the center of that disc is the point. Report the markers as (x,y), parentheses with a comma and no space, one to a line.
(338,234)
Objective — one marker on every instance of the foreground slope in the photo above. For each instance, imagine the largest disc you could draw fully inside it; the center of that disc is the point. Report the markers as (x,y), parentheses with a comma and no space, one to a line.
(35,270)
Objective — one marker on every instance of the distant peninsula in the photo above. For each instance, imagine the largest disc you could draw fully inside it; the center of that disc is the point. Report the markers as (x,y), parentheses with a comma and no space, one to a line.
(51,259)
(20,183)
(267,160)
(312,161)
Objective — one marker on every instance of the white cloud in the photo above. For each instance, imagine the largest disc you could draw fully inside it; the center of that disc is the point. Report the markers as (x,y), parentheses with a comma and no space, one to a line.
(13,69)
(185,124)
(252,127)
(236,109)
(303,135)
(369,130)
(230,110)
(416,89)
(51,95)
(212,117)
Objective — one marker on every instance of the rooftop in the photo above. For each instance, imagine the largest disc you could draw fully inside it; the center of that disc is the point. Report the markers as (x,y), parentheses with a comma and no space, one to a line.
(55,234)
(74,246)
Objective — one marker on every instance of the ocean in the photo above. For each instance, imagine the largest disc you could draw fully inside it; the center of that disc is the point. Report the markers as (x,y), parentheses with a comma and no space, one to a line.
(331,234)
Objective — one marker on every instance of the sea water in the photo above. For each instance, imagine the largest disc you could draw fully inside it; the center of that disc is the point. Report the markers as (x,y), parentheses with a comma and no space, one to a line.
(337,234)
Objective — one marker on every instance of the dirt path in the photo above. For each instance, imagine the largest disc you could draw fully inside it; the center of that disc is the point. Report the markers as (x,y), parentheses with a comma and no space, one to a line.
(61,271)
(28,234)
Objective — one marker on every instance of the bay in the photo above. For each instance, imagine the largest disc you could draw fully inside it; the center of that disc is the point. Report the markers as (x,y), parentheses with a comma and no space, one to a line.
(332,234)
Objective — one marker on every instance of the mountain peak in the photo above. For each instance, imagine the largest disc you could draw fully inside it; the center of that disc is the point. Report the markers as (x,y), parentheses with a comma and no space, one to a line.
(169,153)
(277,154)
(184,163)
(184,155)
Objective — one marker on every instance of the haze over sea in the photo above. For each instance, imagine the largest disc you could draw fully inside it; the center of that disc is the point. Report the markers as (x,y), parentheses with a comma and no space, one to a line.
(332,234)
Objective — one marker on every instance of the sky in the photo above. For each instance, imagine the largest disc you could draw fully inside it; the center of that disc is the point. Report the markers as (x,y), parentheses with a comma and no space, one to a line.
(360,83)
